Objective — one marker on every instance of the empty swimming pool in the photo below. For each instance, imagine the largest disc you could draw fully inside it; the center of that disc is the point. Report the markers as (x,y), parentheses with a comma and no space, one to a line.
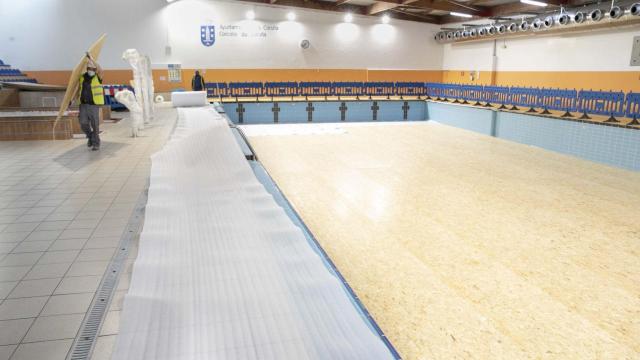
(325,111)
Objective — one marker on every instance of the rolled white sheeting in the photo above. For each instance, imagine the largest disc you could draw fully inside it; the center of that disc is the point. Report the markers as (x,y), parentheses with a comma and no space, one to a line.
(189,98)
(223,273)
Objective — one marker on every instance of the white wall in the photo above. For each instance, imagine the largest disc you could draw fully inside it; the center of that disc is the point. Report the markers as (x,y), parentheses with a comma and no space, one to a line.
(596,51)
(52,34)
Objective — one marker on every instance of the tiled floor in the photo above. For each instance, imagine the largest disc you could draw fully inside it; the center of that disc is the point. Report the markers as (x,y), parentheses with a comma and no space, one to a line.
(63,209)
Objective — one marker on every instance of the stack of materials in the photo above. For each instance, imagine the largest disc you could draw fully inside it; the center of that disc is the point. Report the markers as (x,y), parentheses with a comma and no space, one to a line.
(222,272)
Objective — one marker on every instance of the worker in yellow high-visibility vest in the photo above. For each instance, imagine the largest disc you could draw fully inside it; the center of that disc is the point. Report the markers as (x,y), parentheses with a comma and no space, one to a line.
(91,97)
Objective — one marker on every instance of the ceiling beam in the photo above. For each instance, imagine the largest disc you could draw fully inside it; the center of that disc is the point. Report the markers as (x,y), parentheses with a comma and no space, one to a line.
(380,6)
(342,7)
(448,19)
(315,5)
(518,7)
(433,19)
(443,5)
(450,6)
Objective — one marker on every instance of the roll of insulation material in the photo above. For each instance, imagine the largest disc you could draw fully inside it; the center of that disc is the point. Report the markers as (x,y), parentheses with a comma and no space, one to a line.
(189,98)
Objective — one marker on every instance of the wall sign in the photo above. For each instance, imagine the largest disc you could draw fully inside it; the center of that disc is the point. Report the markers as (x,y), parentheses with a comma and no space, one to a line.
(635,51)
(207,35)
(175,73)
(243,30)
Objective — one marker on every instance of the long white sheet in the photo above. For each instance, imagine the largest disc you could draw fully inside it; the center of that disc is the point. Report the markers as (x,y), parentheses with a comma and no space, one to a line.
(222,272)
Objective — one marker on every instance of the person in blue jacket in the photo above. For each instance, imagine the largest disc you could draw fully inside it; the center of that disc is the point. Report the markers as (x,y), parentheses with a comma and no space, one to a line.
(197,83)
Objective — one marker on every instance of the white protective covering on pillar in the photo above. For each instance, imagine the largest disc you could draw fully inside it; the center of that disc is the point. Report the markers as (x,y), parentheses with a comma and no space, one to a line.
(142,82)
(128,99)
(148,90)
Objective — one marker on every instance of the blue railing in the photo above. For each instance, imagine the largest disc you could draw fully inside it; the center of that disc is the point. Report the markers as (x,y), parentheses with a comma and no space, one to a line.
(379,88)
(602,103)
(435,90)
(315,89)
(524,97)
(216,89)
(348,88)
(497,95)
(281,88)
(410,89)
(557,99)
(472,94)
(244,89)
(633,107)
(587,102)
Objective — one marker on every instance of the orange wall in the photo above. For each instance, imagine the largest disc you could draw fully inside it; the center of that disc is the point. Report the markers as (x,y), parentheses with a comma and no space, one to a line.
(596,80)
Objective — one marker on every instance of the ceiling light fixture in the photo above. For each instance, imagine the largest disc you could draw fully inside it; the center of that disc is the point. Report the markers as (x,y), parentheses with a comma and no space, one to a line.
(291,16)
(385,19)
(348,17)
(250,15)
(534,3)
(453,13)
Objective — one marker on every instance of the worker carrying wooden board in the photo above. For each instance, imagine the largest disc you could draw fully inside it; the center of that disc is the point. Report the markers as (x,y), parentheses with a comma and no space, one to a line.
(86,73)
(91,95)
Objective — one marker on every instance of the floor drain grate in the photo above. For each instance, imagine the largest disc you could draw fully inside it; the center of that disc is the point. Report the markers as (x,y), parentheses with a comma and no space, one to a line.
(88,334)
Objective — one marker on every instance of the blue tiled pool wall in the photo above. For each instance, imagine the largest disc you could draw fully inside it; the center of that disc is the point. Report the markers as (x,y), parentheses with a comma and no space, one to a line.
(610,145)
(325,111)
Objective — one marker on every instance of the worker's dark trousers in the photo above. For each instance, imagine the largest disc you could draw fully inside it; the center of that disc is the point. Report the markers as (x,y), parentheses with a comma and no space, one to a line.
(90,122)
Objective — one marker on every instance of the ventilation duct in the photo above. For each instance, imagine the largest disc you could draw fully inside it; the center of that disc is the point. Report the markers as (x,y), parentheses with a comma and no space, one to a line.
(616,12)
(596,15)
(537,24)
(586,17)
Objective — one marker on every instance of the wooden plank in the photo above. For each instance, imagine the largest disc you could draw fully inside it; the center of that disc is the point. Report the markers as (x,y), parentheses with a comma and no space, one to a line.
(464,246)
(94,50)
